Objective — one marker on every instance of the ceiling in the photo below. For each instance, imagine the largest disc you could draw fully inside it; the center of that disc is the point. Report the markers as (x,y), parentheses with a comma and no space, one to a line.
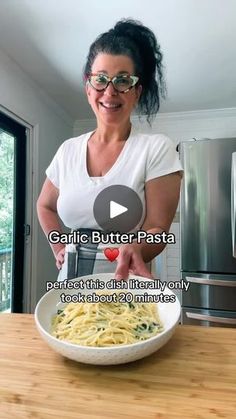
(50,41)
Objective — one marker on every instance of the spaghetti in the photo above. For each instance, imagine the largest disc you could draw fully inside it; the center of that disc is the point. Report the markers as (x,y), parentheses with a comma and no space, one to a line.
(106,324)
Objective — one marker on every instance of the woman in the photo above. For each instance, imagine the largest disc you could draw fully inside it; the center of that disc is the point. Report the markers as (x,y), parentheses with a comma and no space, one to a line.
(123,72)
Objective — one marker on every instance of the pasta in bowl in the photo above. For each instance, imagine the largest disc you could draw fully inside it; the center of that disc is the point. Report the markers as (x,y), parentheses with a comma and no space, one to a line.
(106,327)
(103,324)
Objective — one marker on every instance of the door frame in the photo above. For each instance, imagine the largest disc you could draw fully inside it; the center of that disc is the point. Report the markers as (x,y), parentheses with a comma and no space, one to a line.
(29,274)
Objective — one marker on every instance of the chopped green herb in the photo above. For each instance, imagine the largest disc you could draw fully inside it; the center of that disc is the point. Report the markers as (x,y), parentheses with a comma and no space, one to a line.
(59,311)
(141,327)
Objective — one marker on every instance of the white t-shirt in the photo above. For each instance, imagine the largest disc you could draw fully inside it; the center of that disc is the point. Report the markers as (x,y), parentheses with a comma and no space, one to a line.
(142,158)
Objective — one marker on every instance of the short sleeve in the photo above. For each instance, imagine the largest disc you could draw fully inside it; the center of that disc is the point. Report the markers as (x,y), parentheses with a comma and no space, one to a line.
(163,158)
(53,170)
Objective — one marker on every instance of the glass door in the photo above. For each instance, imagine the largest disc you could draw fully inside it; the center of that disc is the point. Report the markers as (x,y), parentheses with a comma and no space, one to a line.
(12,213)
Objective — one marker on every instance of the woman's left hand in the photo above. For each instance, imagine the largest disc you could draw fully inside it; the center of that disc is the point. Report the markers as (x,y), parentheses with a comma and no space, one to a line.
(130,260)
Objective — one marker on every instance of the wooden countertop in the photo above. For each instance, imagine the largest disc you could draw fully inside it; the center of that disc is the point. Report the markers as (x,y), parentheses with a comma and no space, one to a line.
(193,376)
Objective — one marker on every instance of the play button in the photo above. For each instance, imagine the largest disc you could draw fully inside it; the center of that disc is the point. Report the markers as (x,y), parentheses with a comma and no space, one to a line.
(118,208)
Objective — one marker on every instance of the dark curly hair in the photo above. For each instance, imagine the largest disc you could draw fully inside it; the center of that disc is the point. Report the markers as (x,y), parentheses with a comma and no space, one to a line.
(132,38)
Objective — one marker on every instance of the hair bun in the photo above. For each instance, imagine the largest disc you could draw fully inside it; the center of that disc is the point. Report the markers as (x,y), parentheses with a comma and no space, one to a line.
(143,38)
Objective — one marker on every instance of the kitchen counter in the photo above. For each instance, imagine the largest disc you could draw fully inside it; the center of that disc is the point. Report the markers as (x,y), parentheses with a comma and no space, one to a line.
(192,376)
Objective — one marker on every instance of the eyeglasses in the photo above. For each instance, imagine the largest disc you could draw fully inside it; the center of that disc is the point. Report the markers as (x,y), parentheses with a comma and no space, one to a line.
(121,83)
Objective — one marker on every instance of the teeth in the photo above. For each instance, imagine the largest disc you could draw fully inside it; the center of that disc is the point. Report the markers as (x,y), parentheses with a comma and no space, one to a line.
(111,105)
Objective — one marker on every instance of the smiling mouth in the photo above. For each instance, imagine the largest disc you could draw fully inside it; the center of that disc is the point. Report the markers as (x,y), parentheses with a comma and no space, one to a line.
(110,105)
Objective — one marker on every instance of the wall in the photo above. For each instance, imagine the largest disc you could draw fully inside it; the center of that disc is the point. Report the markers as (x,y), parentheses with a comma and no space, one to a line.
(180,126)
(20,96)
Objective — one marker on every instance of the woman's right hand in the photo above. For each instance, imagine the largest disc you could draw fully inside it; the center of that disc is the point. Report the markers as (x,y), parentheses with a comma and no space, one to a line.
(60,256)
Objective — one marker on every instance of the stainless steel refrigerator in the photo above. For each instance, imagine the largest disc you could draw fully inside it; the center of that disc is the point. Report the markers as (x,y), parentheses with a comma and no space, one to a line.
(208,231)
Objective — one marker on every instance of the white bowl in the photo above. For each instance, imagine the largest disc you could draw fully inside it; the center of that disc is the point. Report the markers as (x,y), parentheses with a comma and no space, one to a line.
(48,305)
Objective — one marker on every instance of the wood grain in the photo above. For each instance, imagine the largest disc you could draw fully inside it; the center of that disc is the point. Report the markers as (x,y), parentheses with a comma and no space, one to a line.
(193,376)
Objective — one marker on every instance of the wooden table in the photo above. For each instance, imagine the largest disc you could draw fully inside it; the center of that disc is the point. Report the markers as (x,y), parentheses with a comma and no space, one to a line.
(193,376)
